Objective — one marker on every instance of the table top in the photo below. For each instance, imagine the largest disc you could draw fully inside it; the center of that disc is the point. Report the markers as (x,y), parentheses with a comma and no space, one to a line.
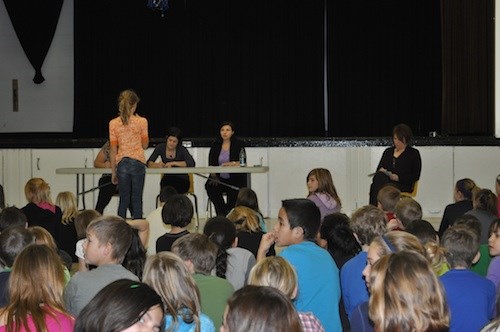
(172,170)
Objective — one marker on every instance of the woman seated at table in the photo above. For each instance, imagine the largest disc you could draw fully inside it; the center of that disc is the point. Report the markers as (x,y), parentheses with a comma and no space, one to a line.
(172,154)
(399,166)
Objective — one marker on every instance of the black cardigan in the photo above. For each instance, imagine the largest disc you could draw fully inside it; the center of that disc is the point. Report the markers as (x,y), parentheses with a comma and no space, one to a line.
(234,155)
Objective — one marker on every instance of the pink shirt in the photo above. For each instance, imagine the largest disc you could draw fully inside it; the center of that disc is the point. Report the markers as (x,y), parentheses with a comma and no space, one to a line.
(129,138)
(61,323)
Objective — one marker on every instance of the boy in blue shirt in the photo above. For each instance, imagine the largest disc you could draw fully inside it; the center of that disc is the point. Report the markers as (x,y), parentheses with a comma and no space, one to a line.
(318,276)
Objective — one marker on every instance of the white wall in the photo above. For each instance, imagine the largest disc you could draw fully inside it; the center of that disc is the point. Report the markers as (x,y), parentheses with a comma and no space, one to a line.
(46,107)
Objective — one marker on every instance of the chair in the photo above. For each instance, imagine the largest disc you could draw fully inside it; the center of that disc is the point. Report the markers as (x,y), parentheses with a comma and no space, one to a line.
(413,193)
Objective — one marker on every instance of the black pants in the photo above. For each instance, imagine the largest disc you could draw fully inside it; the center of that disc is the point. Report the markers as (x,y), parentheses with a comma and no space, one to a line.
(105,193)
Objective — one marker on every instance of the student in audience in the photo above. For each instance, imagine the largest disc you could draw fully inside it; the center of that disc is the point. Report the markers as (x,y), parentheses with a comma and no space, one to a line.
(107,243)
(157,227)
(494,247)
(275,271)
(12,217)
(485,210)
(82,220)
(319,284)
(387,198)
(136,254)
(12,241)
(367,223)
(166,273)
(176,212)
(260,309)
(36,286)
(40,211)
(462,195)
(232,263)
(322,191)
(123,305)
(497,191)
(471,298)
(199,254)
(481,266)
(406,210)
(66,236)
(248,230)
(248,198)
(407,299)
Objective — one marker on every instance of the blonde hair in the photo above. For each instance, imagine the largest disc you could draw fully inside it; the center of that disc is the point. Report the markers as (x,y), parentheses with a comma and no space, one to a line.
(66,200)
(42,236)
(394,306)
(245,219)
(325,183)
(167,274)
(34,264)
(274,271)
(37,191)
(396,241)
(126,100)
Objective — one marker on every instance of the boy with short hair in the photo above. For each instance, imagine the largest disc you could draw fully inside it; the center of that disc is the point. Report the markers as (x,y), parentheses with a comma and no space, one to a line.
(471,298)
(199,254)
(367,223)
(177,212)
(318,276)
(107,243)
(12,217)
(387,198)
(407,210)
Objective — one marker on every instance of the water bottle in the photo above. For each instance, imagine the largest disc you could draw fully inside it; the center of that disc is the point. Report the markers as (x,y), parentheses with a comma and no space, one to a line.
(243,157)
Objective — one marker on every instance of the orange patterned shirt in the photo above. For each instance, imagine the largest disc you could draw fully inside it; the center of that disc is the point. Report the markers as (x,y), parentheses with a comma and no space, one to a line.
(129,138)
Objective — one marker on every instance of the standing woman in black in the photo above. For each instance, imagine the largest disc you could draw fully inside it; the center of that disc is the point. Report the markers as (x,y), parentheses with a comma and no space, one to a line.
(399,166)
(225,151)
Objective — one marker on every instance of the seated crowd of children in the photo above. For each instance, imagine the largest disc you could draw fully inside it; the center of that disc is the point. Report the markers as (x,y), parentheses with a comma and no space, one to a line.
(381,269)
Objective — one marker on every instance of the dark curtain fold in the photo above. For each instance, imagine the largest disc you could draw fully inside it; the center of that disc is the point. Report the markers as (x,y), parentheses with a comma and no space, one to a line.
(468,67)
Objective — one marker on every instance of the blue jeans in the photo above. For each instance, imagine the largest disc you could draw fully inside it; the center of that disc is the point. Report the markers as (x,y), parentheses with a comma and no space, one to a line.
(131,174)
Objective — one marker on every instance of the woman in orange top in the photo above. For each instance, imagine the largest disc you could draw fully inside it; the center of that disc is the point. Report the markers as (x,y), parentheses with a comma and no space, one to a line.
(128,137)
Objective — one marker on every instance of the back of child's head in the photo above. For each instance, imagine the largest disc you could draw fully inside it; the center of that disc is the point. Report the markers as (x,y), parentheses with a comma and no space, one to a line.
(486,200)
(42,236)
(423,230)
(136,255)
(303,213)
(470,221)
(223,233)
(396,241)
(115,231)
(367,222)
(247,197)
(167,274)
(166,192)
(245,219)
(177,211)
(337,232)
(37,190)
(82,220)
(467,188)
(388,196)
(12,217)
(407,210)
(325,182)
(198,249)
(274,271)
(461,244)
(66,200)
(12,241)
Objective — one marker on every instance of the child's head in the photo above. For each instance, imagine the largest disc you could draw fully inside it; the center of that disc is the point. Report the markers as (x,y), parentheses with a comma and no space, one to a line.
(465,190)
(394,306)
(42,236)
(470,221)
(66,200)
(367,222)
(336,235)
(387,198)
(122,305)
(108,240)
(37,191)
(223,233)
(486,200)
(167,274)
(423,230)
(177,211)
(12,217)
(197,251)
(166,192)
(299,220)
(12,241)
(462,246)
(127,104)
(247,197)
(82,220)
(275,271)
(494,238)
(319,180)
(260,308)
(245,219)
(407,210)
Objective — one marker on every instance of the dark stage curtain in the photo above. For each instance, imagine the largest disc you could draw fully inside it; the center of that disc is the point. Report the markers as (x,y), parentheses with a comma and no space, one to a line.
(256,63)
(468,67)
